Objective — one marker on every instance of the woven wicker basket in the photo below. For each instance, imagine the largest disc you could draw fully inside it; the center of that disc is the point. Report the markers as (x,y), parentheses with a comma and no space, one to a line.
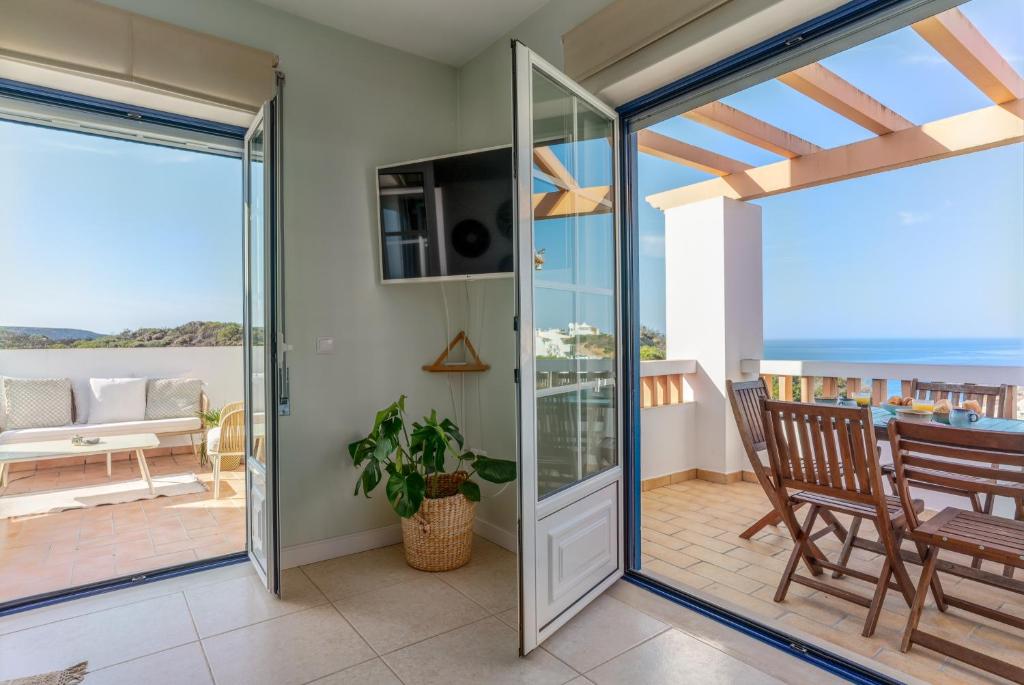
(230,462)
(439,537)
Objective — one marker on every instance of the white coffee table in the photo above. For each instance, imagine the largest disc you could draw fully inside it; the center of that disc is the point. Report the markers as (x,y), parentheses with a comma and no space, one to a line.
(59,449)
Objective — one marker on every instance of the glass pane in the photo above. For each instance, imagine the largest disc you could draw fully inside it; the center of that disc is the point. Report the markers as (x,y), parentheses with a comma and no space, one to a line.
(558,449)
(595,337)
(598,429)
(554,338)
(574,301)
(554,243)
(257,292)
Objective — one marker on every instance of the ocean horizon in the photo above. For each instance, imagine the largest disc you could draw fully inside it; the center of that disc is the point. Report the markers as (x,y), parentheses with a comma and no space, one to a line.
(957,351)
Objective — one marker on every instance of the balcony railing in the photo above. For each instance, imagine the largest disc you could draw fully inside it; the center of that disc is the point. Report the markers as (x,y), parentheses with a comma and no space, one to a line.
(662,382)
(804,380)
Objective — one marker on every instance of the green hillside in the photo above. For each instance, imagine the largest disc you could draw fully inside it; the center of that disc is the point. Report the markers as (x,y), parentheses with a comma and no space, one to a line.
(192,334)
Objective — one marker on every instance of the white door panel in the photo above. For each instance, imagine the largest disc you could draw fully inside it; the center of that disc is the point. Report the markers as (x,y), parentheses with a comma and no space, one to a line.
(578,548)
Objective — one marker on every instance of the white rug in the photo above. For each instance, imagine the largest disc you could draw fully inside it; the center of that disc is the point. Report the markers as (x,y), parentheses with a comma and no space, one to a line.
(119,492)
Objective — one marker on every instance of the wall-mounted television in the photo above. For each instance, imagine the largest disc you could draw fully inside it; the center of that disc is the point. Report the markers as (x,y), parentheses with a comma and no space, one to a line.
(447,217)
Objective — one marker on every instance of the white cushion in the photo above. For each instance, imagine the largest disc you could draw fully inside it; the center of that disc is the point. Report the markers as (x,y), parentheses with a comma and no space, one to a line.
(36,402)
(101,430)
(172,398)
(80,393)
(213,439)
(115,400)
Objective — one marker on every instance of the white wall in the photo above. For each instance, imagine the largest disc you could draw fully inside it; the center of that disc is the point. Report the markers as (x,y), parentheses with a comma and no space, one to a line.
(350,105)
(668,440)
(713,303)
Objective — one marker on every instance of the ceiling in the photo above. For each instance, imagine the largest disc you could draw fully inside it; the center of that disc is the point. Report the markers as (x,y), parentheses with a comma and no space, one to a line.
(448,31)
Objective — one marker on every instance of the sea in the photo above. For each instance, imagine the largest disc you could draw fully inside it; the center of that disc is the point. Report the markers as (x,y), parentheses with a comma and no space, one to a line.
(957,351)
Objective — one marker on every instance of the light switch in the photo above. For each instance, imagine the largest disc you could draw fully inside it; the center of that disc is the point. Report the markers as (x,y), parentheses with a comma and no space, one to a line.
(325,345)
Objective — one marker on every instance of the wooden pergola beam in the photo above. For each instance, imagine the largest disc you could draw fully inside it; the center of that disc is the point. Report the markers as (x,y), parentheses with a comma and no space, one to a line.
(737,124)
(955,38)
(548,162)
(957,135)
(576,202)
(673,150)
(832,91)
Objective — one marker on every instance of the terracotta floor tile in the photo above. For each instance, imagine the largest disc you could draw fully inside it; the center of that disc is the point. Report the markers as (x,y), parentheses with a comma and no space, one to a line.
(694,538)
(717,574)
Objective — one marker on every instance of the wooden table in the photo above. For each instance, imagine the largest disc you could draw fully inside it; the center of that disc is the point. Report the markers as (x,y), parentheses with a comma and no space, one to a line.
(59,449)
(882,418)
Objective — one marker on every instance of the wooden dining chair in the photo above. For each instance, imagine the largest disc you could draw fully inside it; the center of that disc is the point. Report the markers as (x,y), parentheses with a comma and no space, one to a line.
(959,458)
(745,398)
(994,399)
(995,403)
(827,458)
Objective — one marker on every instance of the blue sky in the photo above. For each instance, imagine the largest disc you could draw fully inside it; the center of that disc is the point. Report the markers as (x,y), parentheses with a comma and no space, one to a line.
(934,250)
(104,234)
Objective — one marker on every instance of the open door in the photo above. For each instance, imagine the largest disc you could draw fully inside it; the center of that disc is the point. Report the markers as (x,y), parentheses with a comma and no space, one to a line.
(265,382)
(567,304)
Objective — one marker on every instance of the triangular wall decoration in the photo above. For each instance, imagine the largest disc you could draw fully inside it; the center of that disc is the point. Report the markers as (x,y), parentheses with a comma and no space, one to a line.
(442,365)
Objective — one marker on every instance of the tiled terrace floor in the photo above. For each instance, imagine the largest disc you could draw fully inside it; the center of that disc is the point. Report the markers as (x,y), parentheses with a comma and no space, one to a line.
(691,539)
(55,551)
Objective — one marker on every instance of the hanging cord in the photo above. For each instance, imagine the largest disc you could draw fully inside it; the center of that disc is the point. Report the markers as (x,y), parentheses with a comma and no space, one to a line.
(447,339)
(479,396)
(469,334)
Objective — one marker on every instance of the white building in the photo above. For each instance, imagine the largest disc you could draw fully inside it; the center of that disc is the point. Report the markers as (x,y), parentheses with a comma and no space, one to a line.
(553,342)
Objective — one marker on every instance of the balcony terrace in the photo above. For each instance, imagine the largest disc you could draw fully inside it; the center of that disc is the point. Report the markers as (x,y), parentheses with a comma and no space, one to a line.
(62,526)
(695,505)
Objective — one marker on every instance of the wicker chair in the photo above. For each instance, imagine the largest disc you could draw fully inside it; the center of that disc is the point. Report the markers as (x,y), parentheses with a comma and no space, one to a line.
(231,442)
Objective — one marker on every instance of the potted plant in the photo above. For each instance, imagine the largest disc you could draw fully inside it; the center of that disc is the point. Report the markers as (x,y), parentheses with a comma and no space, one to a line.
(437,505)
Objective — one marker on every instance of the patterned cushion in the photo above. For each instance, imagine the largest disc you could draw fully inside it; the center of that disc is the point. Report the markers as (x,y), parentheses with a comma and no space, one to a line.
(37,402)
(172,398)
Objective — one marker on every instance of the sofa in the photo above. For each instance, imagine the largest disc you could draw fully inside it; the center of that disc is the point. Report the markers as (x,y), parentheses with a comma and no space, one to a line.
(33,410)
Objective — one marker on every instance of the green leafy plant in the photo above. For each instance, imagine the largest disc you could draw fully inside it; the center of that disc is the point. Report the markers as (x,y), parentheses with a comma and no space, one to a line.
(211,419)
(415,462)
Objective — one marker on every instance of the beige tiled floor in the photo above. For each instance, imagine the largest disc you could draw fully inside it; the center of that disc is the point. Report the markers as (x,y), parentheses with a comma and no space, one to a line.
(691,540)
(57,551)
(370,619)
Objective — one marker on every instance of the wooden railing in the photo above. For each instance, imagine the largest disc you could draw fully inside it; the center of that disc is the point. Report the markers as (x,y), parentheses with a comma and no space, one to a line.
(804,380)
(662,382)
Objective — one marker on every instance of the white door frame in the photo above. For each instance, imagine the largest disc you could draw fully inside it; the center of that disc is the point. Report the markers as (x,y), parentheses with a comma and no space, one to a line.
(525,62)
(269,119)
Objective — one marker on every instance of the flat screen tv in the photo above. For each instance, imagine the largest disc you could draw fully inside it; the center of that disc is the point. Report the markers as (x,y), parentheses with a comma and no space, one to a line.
(448,217)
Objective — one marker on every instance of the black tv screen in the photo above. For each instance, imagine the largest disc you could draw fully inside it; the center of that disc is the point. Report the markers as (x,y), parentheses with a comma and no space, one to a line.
(447,217)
